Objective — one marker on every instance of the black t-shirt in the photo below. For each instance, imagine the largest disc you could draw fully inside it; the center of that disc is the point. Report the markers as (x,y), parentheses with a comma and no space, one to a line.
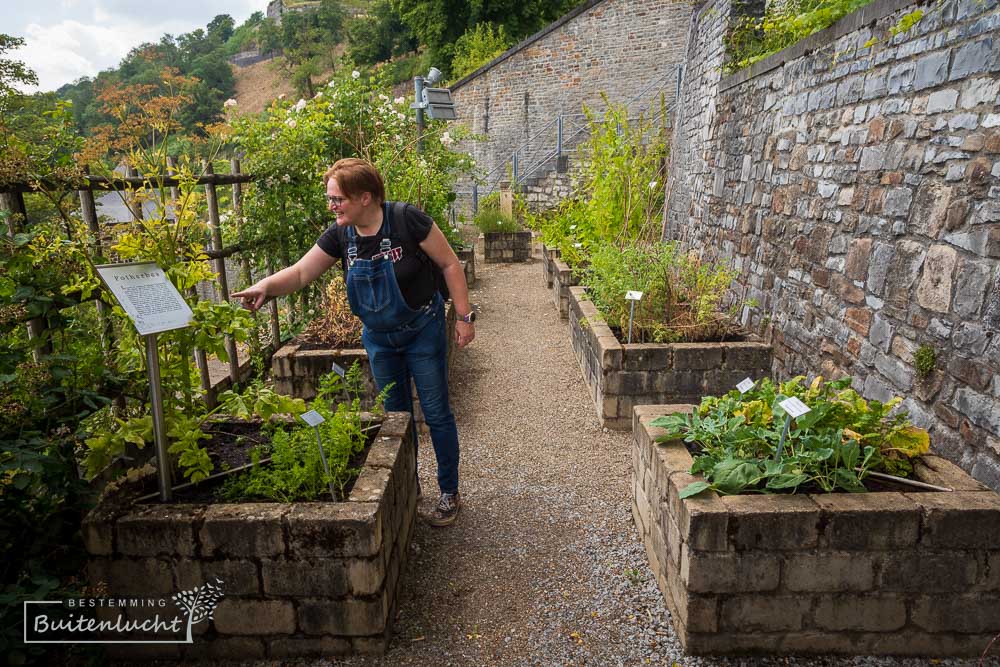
(413,268)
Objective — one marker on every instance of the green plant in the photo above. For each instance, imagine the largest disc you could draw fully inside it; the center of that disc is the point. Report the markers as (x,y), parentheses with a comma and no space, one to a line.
(833,446)
(476,47)
(619,190)
(681,296)
(924,359)
(490,220)
(295,471)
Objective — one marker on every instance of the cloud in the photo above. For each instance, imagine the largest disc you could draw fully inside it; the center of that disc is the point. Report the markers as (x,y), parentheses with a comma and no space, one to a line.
(81,38)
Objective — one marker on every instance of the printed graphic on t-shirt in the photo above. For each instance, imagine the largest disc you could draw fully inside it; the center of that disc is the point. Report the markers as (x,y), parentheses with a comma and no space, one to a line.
(395,254)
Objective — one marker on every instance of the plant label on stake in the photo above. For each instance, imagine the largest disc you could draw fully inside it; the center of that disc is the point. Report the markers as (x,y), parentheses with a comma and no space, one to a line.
(154,305)
(793,408)
(745,386)
(339,370)
(633,296)
(314,419)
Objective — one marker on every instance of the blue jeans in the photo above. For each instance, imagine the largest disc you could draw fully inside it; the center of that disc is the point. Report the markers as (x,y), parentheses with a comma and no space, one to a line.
(419,350)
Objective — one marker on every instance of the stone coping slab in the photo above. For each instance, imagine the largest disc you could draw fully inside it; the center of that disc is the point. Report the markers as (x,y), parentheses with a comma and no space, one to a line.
(905,573)
(562,280)
(299,579)
(622,375)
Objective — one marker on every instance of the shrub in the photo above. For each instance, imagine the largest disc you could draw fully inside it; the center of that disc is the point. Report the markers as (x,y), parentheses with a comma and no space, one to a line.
(925,359)
(681,296)
(490,220)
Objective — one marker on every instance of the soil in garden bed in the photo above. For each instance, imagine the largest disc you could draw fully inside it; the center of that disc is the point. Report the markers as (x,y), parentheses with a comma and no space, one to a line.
(230,448)
(871,484)
(333,343)
(725,337)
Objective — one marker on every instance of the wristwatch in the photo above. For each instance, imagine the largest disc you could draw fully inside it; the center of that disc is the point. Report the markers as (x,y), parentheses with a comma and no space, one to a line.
(470,318)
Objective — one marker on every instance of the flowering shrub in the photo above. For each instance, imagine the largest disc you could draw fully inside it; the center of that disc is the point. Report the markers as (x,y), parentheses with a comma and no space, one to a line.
(289,146)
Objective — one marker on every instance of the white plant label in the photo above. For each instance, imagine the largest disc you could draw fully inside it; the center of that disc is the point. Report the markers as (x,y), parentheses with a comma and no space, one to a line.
(745,386)
(794,406)
(572,227)
(633,295)
(577,245)
(148,297)
(338,370)
(312,418)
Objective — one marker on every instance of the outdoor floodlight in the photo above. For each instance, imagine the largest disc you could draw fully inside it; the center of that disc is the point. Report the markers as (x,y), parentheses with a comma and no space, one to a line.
(433,76)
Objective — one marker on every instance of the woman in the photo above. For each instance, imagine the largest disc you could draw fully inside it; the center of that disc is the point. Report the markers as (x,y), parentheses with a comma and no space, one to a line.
(386,251)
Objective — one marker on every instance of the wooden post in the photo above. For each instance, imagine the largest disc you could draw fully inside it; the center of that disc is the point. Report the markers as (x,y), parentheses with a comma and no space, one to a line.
(273,308)
(88,209)
(199,355)
(14,203)
(220,266)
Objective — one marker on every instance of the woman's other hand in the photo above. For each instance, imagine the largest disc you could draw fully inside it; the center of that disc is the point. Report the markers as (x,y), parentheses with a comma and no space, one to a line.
(464,332)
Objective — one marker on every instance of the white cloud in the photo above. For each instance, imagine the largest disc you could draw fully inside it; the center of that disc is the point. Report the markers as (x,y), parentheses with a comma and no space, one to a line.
(69,39)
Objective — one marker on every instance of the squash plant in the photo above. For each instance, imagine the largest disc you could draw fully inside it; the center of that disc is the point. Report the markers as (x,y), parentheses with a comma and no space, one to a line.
(833,447)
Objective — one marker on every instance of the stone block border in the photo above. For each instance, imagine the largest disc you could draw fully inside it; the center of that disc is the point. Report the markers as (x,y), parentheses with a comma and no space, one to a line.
(300,579)
(562,280)
(621,376)
(549,255)
(874,573)
(467,256)
(507,247)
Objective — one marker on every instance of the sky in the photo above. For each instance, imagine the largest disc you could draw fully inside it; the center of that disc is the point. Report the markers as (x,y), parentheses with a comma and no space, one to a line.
(69,39)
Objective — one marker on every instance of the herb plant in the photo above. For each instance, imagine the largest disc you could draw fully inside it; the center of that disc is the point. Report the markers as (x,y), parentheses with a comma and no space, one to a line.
(833,446)
(490,220)
(295,471)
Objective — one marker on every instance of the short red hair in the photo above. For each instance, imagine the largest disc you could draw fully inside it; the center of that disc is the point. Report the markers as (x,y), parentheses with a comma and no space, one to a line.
(356,176)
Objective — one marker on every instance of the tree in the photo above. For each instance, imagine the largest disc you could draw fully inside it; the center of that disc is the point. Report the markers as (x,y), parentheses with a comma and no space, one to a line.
(378,36)
(199,603)
(13,72)
(438,24)
(221,28)
(477,47)
(309,39)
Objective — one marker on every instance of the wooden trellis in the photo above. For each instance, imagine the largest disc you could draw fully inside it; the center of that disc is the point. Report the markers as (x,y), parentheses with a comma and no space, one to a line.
(12,199)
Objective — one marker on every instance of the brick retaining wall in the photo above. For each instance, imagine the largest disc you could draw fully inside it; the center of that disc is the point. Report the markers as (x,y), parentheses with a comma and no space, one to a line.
(874,573)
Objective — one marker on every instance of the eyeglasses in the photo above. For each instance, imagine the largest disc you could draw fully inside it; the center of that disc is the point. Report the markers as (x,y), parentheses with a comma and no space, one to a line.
(336,201)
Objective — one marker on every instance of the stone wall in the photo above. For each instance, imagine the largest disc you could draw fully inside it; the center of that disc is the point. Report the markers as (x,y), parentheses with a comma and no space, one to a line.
(623,375)
(299,579)
(856,191)
(617,47)
(506,247)
(873,573)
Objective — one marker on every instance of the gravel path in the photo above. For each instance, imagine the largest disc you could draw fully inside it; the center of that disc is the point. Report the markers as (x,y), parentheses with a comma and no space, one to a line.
(543,566)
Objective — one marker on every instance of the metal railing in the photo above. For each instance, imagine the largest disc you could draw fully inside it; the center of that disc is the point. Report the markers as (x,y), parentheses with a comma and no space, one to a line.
(562,136)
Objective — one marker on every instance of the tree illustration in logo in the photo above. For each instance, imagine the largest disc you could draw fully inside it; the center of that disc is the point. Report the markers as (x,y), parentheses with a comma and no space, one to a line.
(199,603)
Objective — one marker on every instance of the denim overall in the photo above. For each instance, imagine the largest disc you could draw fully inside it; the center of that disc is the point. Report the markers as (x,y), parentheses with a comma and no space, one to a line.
(403,343)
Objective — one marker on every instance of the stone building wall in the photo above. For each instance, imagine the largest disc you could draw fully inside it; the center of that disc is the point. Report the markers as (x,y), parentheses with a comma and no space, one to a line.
(617,47)
(856,191)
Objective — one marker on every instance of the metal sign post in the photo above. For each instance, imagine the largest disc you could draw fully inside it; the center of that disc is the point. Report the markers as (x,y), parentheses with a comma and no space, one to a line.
(314,419)
(154,305)
(632,296)
(793,408)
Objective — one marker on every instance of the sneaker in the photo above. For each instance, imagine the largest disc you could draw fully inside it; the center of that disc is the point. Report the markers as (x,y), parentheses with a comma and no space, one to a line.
(446,511)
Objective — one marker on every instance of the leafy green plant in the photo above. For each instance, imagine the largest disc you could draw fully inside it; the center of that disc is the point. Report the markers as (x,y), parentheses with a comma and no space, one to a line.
(924,359)
(681,296)
(476,47)
(489,220)
(832,447)
(618,192)
(295,471)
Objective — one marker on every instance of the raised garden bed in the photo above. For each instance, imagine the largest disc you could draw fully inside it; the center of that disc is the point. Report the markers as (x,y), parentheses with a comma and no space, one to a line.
(297,367)
(467,255)
(299,579)
(892,572)
(549,255)
(621,375)
(562,280)
(507,247)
